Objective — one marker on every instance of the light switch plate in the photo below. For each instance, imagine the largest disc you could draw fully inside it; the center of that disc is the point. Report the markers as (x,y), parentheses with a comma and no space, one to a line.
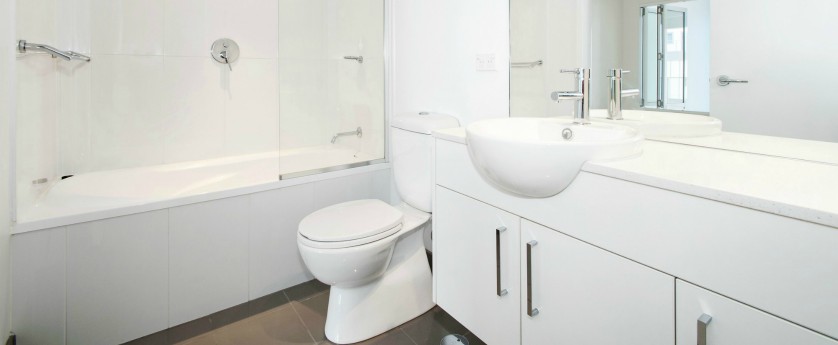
(485,62)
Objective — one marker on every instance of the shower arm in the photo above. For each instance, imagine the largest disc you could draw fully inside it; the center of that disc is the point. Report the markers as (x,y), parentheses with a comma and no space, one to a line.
(24,47)
(357,132)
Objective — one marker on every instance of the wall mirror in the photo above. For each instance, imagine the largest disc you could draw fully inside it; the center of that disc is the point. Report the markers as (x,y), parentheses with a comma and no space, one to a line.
(766,72)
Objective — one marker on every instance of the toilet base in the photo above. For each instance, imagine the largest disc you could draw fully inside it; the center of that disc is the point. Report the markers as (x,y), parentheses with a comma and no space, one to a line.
(402,293)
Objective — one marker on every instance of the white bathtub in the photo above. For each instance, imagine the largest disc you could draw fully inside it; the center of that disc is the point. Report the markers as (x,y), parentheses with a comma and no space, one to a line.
(96,191)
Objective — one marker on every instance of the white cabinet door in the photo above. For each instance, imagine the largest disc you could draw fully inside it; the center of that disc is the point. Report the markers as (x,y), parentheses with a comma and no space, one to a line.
(586,295)
(727,322)
(468,235)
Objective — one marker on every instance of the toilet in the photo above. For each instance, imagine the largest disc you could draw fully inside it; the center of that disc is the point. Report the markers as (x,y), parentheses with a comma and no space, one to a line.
(372,254)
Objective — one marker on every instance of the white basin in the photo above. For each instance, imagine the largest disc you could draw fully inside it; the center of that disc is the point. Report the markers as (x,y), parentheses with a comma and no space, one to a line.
(663,124)
(529,156)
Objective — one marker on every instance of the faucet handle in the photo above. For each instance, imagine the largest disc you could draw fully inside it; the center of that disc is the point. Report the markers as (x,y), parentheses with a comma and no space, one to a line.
(572,70)
(617,73)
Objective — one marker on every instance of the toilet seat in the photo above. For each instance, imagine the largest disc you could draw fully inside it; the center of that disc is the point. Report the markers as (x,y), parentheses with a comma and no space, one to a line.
(350,224)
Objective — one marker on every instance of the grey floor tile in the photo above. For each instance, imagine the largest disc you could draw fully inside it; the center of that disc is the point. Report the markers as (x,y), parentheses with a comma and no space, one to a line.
(278,326)
(229,315)
(158,338)
(429,328)
(188,330)
(267,302)
(306,290)
(392,337)
(313,313)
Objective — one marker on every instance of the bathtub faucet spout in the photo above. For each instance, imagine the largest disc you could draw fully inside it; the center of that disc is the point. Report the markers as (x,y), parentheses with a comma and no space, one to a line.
(357,132)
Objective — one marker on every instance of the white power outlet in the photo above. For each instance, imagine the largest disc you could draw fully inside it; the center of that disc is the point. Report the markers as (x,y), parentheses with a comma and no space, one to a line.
(485,62)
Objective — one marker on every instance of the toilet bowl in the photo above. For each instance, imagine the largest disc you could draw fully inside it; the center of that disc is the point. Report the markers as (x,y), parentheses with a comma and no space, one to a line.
(378,271)
(373,254)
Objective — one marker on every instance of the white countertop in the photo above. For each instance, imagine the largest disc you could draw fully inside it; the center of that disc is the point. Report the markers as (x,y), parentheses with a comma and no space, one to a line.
(789,187)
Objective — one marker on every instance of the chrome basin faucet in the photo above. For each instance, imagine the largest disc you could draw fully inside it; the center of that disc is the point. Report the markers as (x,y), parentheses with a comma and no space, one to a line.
(615,104)
(583,78)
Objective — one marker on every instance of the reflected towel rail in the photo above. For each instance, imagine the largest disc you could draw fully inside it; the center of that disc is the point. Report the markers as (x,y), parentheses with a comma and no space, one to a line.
(530,64)
(24,47)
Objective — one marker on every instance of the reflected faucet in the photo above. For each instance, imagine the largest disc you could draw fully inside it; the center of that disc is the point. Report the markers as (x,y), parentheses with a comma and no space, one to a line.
(615,104)
(583,110)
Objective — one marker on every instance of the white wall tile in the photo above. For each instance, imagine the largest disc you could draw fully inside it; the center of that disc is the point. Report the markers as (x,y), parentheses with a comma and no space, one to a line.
(252,115)
(127,122)
(307,102)
(37,114)
(208,258)
(38,286)
(190,27)
(127,27)
(302,29)
(74,118)
(372,185)
(252,24)
(117,279)
(275,261)
(193,107)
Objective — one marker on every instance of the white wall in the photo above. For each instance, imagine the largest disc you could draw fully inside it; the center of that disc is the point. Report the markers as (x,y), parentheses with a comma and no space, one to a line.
(7,108)
(434,53)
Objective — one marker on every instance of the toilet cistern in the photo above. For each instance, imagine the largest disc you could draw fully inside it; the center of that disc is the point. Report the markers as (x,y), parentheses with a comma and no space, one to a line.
(582,94)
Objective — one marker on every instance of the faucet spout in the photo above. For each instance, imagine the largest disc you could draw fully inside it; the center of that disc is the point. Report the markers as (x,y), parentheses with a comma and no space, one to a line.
(615,103)
(582,95)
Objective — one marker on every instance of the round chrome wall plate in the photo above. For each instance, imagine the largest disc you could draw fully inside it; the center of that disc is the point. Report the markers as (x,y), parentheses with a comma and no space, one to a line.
(225,50)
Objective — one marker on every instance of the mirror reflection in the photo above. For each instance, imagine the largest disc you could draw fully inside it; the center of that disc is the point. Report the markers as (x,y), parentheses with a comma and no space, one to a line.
(756,68)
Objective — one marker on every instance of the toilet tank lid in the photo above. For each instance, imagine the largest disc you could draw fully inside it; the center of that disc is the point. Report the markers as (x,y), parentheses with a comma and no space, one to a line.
(350,221)
(424,122)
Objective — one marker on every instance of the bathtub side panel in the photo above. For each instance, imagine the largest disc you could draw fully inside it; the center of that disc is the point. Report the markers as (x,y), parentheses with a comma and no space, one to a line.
(275,262)
(208,258)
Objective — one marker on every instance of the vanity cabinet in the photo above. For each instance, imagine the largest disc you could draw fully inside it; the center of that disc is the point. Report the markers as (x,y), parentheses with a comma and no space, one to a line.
(493,270)
(706,318)
(476,266)
(586,295)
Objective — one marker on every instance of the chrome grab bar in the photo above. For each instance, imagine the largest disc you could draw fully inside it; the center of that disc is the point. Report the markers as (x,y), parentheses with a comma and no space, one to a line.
(24,47)
(360,59)
(500,291)
(530,64)
(357,132)
(530,310)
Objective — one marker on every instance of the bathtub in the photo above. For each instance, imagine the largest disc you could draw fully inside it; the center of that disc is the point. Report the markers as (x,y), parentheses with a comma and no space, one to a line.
(103,190)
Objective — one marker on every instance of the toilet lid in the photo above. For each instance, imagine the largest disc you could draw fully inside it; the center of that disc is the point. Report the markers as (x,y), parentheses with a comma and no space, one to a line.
(350,221)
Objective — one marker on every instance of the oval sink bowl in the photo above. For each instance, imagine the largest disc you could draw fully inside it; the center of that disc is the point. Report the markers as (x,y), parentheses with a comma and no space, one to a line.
(531,156)
(663,124)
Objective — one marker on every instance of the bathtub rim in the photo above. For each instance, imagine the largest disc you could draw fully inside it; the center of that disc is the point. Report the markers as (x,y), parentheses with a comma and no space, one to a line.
(21,227)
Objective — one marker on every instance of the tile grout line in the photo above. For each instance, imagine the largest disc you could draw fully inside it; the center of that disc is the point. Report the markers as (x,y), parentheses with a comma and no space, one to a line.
(291,303)
(408,336)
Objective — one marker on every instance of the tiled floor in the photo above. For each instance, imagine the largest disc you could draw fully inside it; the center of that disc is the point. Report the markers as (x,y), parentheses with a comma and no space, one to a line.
(300,316)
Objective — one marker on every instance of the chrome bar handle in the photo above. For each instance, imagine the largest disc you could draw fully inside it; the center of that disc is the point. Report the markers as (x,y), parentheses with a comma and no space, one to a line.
(500,291)
(701,329)
(358,132)
(725,81)
(530,310)
(530,64)
(360,59)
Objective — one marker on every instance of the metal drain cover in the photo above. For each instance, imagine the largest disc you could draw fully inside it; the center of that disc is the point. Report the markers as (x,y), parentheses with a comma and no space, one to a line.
(454,339)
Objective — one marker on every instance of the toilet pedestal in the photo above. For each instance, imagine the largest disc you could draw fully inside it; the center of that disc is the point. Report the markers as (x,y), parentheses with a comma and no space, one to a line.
(399,295)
